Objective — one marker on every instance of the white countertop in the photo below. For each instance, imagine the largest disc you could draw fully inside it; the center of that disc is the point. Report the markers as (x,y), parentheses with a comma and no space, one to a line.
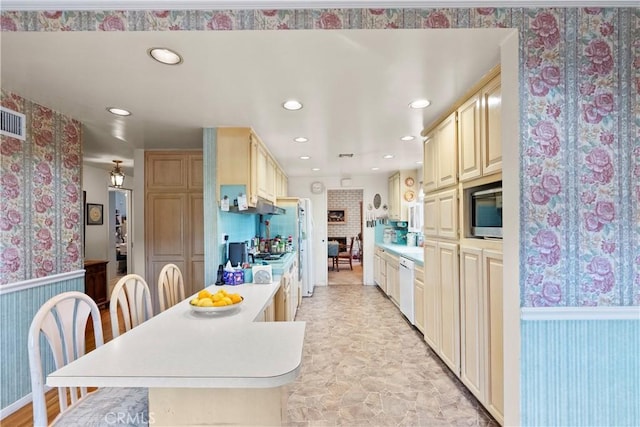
(415,253)
(181,348)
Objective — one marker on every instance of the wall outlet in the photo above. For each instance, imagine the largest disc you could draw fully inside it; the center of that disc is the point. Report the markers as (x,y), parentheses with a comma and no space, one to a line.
(224,238)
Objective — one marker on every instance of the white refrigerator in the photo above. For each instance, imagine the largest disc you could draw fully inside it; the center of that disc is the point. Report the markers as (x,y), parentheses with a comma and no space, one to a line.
(305,245)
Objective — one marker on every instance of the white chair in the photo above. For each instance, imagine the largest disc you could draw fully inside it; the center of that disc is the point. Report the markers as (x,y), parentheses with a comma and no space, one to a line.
(131,294)
(62,321)
(170,286)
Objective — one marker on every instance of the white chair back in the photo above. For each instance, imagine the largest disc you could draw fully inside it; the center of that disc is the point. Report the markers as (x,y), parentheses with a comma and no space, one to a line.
(170,286)
(62,321)
(131,294)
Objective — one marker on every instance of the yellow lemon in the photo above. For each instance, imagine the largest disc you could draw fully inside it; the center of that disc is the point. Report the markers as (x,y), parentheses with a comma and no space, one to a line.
(219,303)
(204,294)
(235,298)
(216,297)
(227,300)
(194,301)
(205,302)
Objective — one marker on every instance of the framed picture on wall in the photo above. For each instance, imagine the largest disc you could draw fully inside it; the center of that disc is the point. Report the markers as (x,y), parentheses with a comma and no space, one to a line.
(94,214)
(336,216)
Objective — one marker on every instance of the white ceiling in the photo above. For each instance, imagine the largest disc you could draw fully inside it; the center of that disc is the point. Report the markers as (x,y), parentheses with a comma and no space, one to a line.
(355,86)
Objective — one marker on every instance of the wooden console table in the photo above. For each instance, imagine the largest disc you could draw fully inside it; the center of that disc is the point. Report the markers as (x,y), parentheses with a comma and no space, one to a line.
(95,281)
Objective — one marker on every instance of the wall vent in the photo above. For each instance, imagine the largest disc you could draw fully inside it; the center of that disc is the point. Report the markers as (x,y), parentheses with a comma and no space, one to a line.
(349,155)
(12,123)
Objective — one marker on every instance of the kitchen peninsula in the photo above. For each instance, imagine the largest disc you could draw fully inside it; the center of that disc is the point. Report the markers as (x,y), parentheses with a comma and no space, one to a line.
(203,369)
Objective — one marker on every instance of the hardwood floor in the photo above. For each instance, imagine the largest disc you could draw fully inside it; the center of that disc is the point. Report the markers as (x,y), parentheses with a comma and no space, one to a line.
(23,417)
(346,276)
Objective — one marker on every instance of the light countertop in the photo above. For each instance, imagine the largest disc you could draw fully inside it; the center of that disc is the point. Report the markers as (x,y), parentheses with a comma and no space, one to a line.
(415,253)
(181,348)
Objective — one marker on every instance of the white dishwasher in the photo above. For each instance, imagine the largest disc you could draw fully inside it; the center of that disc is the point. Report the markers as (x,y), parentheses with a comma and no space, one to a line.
(406,288)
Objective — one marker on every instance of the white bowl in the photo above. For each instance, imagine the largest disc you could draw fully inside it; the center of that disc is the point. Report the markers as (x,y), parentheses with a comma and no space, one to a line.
(223,308)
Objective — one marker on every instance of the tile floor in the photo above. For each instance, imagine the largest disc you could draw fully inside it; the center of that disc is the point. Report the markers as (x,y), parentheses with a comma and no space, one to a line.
(365,365)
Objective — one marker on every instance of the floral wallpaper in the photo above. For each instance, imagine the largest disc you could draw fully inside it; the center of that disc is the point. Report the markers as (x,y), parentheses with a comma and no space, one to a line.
(580,127)
(41,215)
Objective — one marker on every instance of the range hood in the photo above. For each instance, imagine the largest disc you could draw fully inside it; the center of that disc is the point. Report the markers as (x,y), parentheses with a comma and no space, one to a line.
(263,207)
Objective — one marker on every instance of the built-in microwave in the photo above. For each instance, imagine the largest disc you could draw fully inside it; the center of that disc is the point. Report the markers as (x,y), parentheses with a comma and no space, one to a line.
(486,212)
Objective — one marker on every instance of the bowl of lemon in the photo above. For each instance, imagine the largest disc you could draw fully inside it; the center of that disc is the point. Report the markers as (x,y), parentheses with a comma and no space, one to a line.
(207,302)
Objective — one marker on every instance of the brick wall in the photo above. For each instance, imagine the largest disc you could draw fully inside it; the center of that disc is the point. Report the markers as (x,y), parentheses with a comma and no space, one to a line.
(349,200)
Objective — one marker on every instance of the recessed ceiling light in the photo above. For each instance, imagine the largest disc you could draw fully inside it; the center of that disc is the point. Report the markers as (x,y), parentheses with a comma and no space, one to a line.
(388,156)
(420,103)
(292,105)
(119,111)
(305,157)
(315,169)
(300,139)
(375,169)
(419,162)
(165,56)
(408,138)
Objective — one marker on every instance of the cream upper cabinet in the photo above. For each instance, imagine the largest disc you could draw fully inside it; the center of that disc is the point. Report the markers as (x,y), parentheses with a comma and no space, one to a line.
(492,132)
(472,329)
(440,163)
(469,155)
(236,150)
(271,179)
(447,152)
(429,164)
(418,297)
(262,172)
(441,214)
(395,202)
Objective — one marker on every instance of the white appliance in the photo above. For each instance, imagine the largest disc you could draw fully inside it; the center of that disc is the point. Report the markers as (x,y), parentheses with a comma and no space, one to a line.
(305,245)
(406,289)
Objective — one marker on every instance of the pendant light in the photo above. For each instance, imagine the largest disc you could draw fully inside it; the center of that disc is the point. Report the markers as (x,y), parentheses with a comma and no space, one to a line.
(117,176)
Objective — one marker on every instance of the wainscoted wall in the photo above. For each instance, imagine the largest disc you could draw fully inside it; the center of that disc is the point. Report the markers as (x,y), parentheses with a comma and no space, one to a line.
(580,373)
(16,312)
(580,169)
(41,223)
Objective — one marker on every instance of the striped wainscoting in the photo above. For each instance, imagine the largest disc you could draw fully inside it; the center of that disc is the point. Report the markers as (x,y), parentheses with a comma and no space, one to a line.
(581,372)
(18,305)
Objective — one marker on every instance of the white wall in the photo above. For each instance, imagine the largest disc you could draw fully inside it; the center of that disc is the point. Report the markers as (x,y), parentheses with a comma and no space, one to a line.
(370,184)
(96,183)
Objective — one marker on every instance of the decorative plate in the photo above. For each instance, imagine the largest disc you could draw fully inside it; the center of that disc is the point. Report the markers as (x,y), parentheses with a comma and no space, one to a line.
(409,196)
(409,182)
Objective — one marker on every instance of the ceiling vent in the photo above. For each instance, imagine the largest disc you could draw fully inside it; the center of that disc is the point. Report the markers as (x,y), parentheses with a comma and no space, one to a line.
(349,155)
(12,123)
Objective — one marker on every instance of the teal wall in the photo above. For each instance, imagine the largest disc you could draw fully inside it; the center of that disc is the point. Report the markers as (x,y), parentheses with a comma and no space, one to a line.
(16,312)
(580,372)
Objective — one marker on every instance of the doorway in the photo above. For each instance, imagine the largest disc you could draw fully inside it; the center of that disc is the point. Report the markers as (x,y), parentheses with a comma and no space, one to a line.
(120,232)
(344,226)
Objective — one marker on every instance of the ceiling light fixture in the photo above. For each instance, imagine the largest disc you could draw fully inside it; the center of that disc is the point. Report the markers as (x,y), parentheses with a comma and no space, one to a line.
(292,105)
(375,169)
(305,157)
(300,139)
(117,176)
(315,169)
(165,56)
(419,162)
(119,111)
(408,138)
(420,103)
(388,156)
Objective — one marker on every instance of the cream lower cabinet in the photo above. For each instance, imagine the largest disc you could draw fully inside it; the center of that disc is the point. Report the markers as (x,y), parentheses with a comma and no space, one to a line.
(393,278)
(283,299)
(380,269)
(481,326)
(418,298)
(442,299)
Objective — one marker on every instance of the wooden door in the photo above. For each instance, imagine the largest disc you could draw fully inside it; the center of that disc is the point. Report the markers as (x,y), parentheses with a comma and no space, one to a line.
(447,208)
(418,298)
(431,295)
(430,164)
(449,305)
(447,152)
(493,289)
(469,139)
(491,120)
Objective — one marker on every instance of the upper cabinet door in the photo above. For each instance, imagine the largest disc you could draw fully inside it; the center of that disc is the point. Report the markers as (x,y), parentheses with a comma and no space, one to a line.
(491,120)
(469,139)
(167,171)
(430,163)
(447,152)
